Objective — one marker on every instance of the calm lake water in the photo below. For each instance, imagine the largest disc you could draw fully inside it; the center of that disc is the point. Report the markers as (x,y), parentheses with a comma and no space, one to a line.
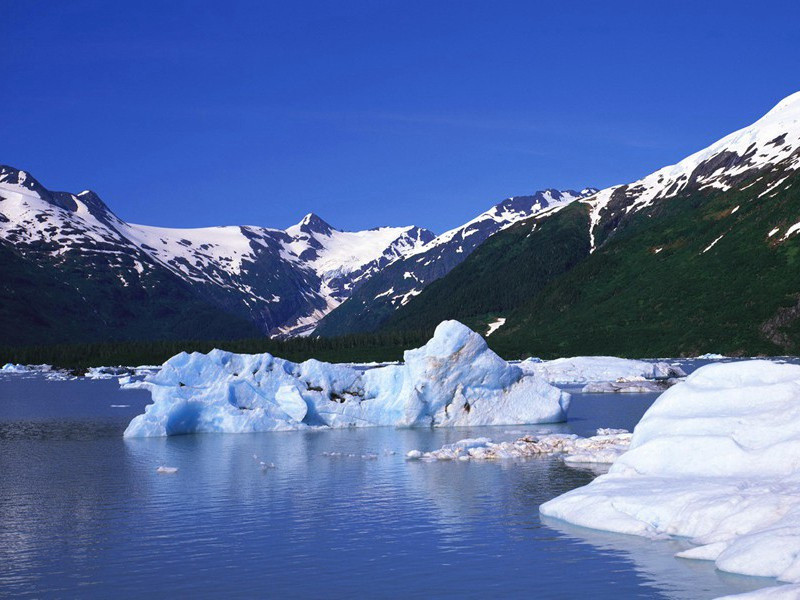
(84,513)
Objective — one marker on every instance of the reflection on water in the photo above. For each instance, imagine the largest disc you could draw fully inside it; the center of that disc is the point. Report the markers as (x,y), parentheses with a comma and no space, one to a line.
(83,512)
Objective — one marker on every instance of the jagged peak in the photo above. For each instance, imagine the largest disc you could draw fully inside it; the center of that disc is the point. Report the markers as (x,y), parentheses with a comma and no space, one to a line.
(312,223)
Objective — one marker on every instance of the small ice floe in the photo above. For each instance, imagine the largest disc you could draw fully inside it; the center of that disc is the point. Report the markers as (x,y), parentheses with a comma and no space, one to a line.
(166,470)
(603,448)
(120,406)
(631,385)
(711,356)
(109,372)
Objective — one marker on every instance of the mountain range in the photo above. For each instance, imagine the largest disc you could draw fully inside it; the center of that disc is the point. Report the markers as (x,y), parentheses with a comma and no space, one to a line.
(73,271)
(698,256)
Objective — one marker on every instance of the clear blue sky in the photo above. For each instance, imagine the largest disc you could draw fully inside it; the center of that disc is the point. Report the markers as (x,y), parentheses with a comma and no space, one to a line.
(374,112)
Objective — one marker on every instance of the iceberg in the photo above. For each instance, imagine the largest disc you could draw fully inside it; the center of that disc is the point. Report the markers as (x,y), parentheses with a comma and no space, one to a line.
(589,369)
(453,380)
(715,460)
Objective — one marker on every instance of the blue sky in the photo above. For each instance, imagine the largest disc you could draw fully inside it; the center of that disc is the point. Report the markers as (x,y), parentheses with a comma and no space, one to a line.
(374,112)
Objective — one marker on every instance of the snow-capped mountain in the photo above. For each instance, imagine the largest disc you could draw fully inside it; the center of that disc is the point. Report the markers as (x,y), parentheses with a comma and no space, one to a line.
(772,142)
(282,281)
(697,255)
(395,284)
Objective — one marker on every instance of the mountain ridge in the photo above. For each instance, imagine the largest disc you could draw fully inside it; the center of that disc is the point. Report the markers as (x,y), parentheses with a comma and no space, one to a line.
(660,266)
(280,281)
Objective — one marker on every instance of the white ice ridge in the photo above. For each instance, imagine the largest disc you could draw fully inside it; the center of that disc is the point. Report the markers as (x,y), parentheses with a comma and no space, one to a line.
(603,448)
(453,380)
(587,369)
(716,460)
(776,592)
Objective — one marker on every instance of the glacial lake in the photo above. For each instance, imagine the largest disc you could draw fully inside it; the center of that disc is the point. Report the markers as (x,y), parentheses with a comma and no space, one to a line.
(83,511)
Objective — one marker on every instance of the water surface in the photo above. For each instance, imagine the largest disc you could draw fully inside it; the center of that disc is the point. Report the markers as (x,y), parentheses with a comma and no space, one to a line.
(83,511)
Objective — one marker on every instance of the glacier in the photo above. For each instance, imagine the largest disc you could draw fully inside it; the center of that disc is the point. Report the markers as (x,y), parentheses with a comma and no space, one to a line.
(716,461)
(453,380)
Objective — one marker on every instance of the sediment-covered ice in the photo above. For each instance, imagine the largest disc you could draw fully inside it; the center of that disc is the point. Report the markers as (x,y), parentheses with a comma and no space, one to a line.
(716,460)
(587,369)
(454,380)
(603,448)
(631,385)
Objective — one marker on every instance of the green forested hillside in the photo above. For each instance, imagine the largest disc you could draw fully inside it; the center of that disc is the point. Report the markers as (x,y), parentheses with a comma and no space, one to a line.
(655,287)
(352,348)
(502,274)
(59,306)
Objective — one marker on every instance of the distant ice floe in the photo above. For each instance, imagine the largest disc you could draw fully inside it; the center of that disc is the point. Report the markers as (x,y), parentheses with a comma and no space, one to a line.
(454,380)
(48,371)
(603,448)
(715,460)
(591,369)
(122,372)
(711,356)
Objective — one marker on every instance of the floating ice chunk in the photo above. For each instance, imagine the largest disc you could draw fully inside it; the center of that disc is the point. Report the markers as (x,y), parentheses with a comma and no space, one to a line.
(109,372)
(716,460)
(587,369)
(454,380)
(711,356)
(603,448)
(167,470)
(635,385)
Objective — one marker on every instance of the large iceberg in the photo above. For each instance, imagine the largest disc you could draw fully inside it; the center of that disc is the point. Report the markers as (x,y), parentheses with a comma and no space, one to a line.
(588,369)
(715,460)
(453,380)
